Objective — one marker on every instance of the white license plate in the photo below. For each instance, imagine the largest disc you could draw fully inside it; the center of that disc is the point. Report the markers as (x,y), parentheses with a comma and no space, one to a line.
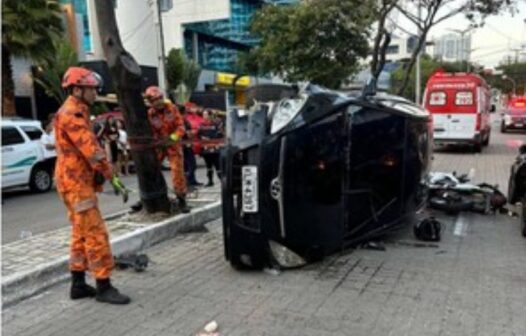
(249,187)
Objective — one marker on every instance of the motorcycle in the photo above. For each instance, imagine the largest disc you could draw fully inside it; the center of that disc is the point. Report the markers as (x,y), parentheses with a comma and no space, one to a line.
(517,186)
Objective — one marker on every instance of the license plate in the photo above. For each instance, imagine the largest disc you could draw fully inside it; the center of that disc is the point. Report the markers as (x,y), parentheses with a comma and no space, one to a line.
(249,186)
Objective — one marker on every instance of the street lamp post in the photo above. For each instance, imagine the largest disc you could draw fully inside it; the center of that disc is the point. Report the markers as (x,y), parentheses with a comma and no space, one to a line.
(506,77)
(464,52)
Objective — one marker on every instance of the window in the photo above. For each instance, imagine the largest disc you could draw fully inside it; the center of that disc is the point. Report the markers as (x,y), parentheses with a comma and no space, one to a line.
(464,98)
(34,133)
(11,136)
(437,98)
(393,49)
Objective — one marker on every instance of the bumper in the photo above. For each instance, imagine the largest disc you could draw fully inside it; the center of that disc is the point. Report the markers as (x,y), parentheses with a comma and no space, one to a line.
(459,141)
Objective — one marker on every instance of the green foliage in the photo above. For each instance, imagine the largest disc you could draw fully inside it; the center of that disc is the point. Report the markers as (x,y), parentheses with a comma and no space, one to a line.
(319,40)
(29,27)
(515,71)
(175,64)
(51,70)
(428,66)
(182,74)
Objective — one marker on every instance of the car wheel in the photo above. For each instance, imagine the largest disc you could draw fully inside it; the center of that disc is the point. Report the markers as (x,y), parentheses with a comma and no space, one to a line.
(40,180)
(477,147)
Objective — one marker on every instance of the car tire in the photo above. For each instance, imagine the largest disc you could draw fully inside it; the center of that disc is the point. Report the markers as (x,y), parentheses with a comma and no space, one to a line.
(41,179)
(477,147)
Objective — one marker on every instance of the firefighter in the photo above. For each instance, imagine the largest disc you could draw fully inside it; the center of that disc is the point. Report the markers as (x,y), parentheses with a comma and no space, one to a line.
(81,169)
(168,129)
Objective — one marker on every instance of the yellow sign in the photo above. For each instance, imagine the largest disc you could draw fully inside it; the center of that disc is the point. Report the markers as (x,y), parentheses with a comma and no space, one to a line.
(227,79)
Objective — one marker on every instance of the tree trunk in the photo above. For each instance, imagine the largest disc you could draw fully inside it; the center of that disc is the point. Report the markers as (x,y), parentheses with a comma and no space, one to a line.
(8,86)
(126,75)
(411,64)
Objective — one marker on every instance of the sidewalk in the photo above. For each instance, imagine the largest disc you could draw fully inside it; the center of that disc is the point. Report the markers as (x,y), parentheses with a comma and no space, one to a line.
(40,260)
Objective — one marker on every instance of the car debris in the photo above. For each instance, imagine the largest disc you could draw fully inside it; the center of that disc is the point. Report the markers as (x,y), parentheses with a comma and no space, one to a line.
(210,329)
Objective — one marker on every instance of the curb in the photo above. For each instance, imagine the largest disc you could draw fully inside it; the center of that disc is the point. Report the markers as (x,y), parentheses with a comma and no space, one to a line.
(20,286)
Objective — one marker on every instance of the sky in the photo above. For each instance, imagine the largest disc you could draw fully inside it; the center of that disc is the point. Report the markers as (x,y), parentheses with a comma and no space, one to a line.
(495,40)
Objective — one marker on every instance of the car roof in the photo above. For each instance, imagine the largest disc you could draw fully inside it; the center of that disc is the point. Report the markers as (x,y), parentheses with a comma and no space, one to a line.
(12,121)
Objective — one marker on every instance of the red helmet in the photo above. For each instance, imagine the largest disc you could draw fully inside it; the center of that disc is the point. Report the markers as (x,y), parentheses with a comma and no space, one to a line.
(77,76)
(153,93)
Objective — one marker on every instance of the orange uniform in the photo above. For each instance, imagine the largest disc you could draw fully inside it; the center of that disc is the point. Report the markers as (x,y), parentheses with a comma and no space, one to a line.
(79,156)
(164,123)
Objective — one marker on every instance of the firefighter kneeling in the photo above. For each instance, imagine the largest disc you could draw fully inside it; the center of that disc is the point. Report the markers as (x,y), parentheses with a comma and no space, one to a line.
(168,129)
(81,169)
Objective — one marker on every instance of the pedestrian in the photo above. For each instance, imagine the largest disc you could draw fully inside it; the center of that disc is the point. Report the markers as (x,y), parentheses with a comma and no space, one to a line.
(168,130)
(190,164)
(111,139)
(48,138)
(123,149)
(211,134)
(80,172)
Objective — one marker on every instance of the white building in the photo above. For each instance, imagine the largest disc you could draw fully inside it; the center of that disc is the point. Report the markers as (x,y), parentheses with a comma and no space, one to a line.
(453,47)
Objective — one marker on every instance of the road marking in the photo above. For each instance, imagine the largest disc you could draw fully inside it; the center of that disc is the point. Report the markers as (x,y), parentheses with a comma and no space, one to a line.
(460,226)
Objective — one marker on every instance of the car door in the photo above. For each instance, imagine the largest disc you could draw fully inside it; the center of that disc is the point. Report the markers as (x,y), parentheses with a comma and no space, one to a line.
(16,156)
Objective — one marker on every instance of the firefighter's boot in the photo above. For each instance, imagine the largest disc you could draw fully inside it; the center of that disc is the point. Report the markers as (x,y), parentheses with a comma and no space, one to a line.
(79,288)
(109,294)
(183,206)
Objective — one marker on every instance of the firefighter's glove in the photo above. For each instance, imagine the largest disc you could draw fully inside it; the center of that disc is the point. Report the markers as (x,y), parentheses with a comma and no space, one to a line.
(174,137)
(119,188)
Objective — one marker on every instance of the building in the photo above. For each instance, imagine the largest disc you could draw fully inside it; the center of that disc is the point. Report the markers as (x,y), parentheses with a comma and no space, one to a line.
(453,47)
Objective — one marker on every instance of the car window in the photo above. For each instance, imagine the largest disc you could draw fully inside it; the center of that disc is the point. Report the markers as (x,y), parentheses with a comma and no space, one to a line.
(11,136)
(437,98)
(34,133)
(464,98)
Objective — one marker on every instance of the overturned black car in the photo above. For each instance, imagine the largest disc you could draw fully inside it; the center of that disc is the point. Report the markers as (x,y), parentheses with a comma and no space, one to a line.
(310,171)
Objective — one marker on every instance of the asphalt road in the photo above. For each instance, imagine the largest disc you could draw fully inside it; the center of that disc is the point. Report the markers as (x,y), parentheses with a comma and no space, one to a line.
(26,213)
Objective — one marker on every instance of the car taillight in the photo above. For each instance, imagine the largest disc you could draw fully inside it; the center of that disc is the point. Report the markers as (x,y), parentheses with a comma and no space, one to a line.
(479,122)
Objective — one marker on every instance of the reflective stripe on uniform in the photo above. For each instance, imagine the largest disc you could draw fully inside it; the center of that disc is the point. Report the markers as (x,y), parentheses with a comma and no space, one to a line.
(85,205)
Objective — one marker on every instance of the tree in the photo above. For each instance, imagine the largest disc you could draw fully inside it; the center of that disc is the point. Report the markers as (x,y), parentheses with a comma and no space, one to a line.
(126,75)
(182,74)
(318,40)
(435,11)
(428,67)
(51,69)
(29,28)
(515,71)
(175,63)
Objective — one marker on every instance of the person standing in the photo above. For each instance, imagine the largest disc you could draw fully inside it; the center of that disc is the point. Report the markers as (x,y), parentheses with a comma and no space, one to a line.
(168,129)
(211,134)
(81,169)
(190,164)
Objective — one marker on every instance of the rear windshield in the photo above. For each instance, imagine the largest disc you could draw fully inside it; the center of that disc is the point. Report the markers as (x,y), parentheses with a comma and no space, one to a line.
(437,98)
(464,98)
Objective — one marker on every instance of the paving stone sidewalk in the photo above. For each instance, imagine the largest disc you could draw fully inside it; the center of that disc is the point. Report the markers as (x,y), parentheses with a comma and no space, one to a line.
(26,254)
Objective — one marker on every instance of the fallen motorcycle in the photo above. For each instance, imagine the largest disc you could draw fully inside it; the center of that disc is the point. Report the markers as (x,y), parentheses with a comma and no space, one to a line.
(517,186)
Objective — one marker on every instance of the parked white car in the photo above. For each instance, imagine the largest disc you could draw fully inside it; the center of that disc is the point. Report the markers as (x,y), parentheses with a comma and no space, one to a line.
(25,161)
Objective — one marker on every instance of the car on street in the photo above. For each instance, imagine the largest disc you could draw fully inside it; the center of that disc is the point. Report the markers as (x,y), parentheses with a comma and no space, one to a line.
(310,171)
(460,104)
(514,115)
(25,161)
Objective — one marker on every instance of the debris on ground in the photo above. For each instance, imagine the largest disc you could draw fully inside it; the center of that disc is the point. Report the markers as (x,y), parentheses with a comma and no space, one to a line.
(428,229)
(375,246)
(453,194)
(271,271)
(139,262)
(210,329)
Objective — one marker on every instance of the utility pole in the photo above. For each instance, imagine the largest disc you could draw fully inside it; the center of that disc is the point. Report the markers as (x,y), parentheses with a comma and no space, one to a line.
(158,20)
(465,53)
(417,70)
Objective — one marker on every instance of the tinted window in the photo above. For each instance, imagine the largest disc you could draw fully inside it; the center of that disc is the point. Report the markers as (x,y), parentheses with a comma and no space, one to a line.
(34,133)
(11,136)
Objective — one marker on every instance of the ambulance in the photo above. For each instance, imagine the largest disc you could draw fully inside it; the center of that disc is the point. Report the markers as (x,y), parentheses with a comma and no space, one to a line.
(460,105)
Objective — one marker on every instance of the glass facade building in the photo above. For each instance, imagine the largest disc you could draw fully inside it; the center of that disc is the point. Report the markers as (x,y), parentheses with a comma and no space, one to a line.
(216,44)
